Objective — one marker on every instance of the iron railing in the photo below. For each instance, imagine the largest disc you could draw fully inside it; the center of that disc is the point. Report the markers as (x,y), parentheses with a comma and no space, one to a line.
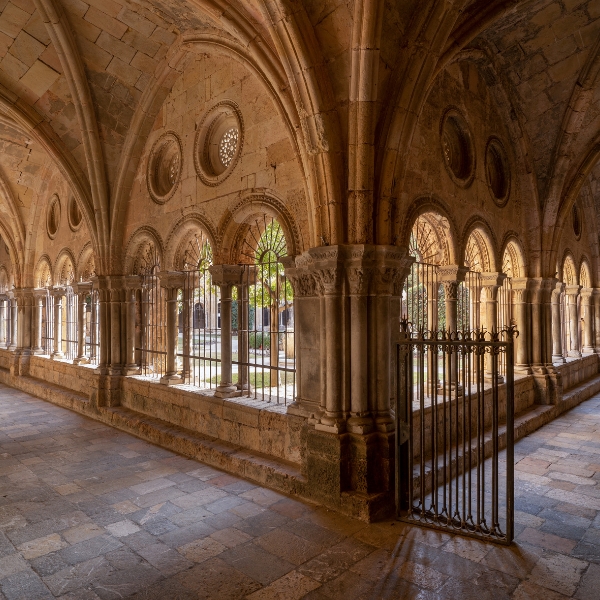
(264,366)
(449,433)
(47,323)
(69,324)
(199,335)
(152,348)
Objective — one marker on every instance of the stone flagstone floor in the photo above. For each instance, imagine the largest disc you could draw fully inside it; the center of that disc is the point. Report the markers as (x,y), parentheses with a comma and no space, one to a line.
(89,512)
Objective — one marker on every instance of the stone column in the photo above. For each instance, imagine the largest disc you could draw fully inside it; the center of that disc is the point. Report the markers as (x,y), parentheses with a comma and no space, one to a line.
(361,420)
(520,300)
(572,292)
(226,276)
(57,294)
(587,316)
(132,285)
(557,333)
(490,283)
(309,333)
(103,324)
(38,308)
(172,283)
(596,301)
(13,322)
(451,276)
(83,291)
(3,328)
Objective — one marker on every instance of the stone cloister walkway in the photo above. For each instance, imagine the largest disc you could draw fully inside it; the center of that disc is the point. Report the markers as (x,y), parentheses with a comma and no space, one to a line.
(89,512)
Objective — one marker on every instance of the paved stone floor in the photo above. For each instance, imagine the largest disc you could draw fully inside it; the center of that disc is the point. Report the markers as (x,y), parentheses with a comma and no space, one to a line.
(88,512)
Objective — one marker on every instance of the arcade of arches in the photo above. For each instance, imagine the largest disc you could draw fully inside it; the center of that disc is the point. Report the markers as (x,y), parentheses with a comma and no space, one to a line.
(214,214)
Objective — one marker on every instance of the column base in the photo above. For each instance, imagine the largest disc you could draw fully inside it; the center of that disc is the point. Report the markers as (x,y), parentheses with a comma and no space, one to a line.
(226,391)
(56,355)
(523,369)
(171,379)
(360,424)
(574,354)
(559,359)
(384,423)
(587,350)
(115,371)
(131,370)
(331,424)
(81,360)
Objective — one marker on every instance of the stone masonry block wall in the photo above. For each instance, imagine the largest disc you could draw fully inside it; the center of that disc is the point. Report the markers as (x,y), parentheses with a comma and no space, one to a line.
(576,372)
(258,426)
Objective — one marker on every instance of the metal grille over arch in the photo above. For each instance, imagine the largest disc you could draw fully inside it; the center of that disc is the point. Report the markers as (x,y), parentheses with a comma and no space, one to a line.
(263,319)
(151,334)
(199,332)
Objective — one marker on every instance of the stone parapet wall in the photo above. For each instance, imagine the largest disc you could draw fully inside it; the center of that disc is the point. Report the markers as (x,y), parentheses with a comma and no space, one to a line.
(259,426)
(577,371)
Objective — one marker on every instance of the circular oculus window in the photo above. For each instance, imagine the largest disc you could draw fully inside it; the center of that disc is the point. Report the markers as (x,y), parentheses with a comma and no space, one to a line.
(497,171)
(164,167)
(74,214)
(576,221)
(53,216)
(218,144)
(457,148)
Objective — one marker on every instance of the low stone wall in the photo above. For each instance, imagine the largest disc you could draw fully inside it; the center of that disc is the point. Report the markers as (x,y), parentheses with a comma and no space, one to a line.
(578,370)
(255,425)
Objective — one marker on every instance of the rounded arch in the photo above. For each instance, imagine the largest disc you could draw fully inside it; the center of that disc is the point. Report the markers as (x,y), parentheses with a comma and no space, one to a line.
(189,234)
(513,257)
(144,252)
(431,213)
(568,271)
(86,263)
(42,275)
(479,246)
(585,273)
(236,224)
(64,268)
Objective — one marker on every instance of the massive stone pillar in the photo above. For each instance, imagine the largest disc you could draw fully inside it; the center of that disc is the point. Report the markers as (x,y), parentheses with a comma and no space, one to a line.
(226,276)
(172,283)
(572,292)
(548,383)
(522,321)
(347,311)
(587,316)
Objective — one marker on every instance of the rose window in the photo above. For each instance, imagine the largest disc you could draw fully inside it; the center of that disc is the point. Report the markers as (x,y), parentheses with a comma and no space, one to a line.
(228,146)
(174,169)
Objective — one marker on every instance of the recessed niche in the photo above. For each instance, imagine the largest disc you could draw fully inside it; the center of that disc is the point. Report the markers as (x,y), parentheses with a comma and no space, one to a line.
(457,148)
(164,167)
(497,171)
(74,214)
(53,216)
(219,142)
(576,218)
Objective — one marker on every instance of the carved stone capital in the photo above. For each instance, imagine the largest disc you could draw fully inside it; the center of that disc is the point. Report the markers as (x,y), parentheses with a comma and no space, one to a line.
(227,274)
(171,279)
(451,273)
(586,295)
(572,290)
(451,290)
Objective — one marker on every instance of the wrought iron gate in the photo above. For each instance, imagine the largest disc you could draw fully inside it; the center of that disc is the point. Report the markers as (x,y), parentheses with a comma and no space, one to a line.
(454,414)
